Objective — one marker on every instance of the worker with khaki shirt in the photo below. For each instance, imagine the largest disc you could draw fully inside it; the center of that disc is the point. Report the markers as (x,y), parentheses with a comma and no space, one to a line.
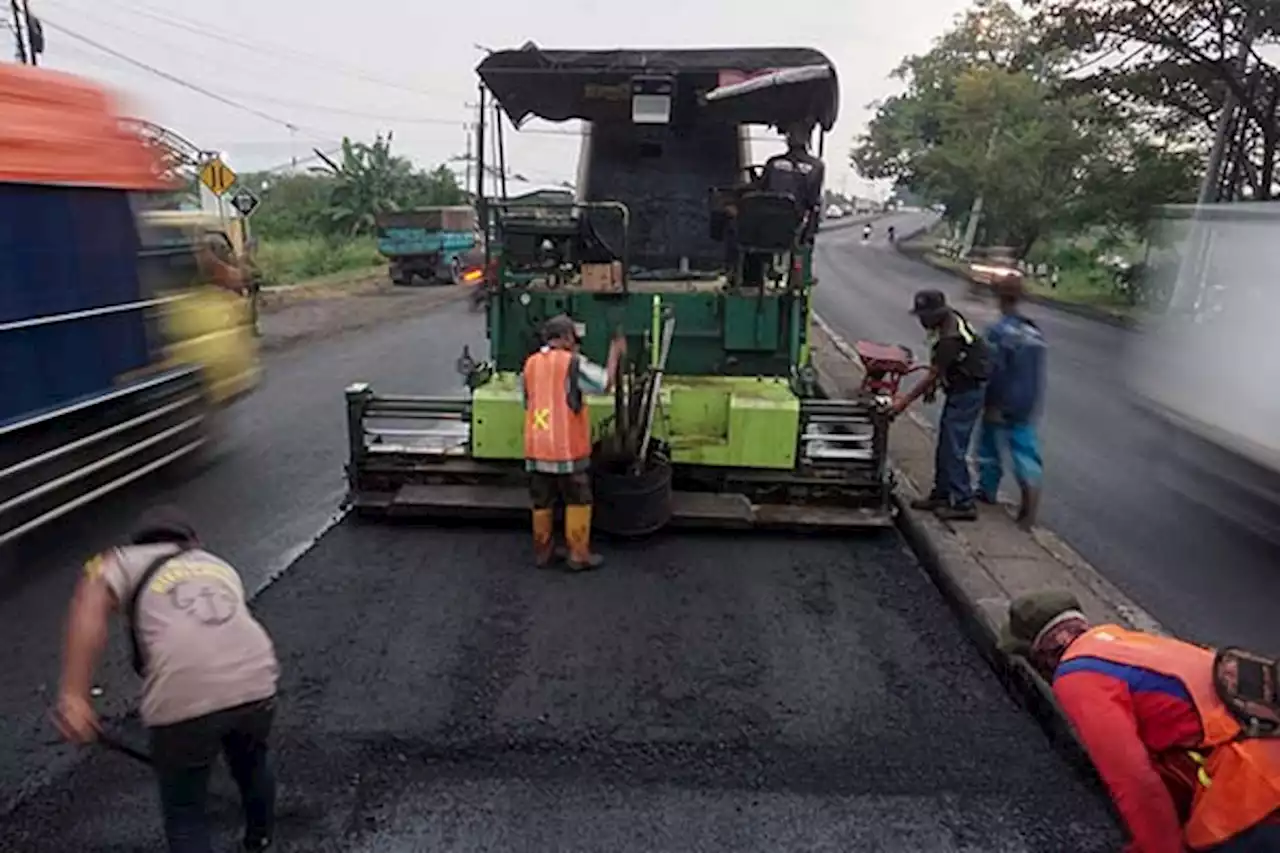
(209,672)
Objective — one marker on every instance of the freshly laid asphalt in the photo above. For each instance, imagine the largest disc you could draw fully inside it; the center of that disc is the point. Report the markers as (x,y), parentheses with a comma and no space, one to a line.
(700,693)
(1106,490)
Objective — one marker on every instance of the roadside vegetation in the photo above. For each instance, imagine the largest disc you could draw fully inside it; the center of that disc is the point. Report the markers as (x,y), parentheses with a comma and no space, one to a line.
(1062,126)
(322,222)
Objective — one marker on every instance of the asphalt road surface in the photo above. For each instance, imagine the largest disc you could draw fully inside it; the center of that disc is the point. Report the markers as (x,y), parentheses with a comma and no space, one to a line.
(701,693)
(705,694)
(1105,493)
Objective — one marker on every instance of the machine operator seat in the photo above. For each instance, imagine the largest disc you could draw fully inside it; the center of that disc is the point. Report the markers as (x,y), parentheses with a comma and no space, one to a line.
(766,224)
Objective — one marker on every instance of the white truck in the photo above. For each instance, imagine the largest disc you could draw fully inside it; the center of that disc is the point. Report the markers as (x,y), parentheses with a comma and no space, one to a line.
(1208,367)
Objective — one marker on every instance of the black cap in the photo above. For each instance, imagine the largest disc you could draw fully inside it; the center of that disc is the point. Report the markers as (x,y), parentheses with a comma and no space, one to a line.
(928,302)
(559,326)
(162,525)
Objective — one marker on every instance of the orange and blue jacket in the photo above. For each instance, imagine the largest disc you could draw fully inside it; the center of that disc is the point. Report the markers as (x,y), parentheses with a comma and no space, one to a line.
(1141,707)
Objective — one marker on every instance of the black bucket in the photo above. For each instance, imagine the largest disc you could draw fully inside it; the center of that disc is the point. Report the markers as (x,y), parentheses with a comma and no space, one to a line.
(630,505)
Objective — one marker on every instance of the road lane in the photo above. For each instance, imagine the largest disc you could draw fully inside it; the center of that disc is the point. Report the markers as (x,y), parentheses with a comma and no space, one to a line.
(277,480)
(1104,493)
(705,693)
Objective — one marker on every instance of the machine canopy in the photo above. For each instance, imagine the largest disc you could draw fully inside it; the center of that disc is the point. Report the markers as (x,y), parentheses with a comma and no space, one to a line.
(751,85)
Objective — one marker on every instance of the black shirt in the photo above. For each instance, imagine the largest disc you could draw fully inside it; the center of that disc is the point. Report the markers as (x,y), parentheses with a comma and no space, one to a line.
(961,361)
(796,172)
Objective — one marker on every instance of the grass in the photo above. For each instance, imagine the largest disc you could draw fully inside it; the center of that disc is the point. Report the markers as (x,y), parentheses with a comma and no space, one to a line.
(285,262)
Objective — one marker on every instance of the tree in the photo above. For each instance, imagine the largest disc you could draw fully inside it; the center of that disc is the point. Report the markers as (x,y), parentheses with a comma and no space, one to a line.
(987,112)
(370,180)
(292,205)
(367,182)
(1171,65)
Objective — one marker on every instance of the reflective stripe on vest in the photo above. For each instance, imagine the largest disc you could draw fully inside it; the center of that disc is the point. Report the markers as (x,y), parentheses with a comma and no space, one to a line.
(1239,779)
(553,431)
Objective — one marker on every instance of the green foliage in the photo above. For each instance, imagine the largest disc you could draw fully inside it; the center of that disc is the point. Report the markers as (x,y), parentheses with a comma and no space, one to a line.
(369,180)
(342,199)
(293,205)
(988,113)
(289,261)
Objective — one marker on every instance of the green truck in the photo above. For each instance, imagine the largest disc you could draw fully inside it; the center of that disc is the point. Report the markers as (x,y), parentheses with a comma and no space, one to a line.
(431,244)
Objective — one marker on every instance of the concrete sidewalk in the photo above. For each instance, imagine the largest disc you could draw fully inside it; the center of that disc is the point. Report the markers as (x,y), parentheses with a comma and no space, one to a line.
(980,565)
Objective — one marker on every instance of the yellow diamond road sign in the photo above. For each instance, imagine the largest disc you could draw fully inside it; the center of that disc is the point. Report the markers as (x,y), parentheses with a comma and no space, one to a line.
(217,176)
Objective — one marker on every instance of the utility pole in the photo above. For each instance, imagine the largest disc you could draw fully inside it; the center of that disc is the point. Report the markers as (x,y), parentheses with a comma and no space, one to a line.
(502,153)
(1189,287)
(975,212)
(18,37)
(470,130)
(35,34)
(1213,169)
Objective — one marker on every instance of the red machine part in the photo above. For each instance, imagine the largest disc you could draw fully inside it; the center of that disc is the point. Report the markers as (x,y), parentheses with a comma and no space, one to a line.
(884,365)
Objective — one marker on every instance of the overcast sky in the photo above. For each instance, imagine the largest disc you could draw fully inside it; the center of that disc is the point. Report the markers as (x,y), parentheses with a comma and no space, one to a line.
(354,68)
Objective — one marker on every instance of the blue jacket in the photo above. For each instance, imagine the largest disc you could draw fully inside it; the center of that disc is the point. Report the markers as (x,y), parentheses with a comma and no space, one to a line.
(1016,384)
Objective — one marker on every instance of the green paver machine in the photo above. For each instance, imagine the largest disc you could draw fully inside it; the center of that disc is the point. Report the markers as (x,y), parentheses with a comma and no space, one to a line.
(717,417)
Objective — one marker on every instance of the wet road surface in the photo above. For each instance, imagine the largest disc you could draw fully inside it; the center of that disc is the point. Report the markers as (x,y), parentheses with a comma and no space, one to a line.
(700,693)
(1106,491)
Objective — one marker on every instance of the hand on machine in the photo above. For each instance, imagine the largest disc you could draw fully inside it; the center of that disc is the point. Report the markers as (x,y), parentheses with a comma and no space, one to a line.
(884,367)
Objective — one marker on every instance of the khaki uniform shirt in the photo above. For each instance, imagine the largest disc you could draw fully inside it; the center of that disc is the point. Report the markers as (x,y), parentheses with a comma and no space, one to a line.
(204,651)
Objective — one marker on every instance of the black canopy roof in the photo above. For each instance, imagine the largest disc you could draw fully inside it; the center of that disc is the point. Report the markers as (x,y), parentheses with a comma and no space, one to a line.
(559,85)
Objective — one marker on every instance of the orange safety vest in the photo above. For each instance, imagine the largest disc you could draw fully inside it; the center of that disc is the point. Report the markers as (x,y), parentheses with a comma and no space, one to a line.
(1240,785)
(557,426)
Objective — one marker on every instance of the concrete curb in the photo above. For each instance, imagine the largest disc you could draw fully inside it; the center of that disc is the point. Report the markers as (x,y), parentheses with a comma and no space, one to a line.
(979,595)
(1086,311)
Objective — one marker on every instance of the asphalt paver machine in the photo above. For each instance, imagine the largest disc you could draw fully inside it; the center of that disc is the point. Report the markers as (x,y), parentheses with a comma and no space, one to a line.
(717,417)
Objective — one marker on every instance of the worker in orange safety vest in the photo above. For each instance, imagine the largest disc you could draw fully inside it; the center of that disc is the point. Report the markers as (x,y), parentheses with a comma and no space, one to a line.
(557,438)
(1184,737)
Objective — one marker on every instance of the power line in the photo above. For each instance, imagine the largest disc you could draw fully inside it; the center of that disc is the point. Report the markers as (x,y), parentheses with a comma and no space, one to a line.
(261,48)
(170,77)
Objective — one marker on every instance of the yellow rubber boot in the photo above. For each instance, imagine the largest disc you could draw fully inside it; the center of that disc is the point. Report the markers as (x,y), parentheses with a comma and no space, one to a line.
(544,531)
(577,532)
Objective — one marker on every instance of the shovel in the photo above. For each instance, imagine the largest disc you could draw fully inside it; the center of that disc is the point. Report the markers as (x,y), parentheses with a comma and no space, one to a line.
(114,744)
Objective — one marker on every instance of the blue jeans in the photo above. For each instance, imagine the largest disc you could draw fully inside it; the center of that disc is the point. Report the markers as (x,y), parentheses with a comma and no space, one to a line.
(951,479)
(1024,449)
(1261,839)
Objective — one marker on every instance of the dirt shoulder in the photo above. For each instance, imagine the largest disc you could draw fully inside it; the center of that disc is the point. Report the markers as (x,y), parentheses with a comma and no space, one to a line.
(337,304)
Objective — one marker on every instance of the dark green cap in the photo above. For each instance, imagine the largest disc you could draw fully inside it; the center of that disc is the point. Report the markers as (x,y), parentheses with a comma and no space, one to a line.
(1028,616)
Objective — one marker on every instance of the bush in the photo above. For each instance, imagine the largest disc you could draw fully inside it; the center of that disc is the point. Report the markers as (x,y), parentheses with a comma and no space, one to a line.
(291,261)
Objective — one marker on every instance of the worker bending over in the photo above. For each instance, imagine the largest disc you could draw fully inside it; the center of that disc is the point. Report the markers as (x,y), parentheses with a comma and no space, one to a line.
(1166,723)
(557,438)
(959,367)
(209,672)
(1015,391)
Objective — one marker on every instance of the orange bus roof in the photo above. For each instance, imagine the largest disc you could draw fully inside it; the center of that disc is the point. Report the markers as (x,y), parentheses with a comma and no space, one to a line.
(60,129)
